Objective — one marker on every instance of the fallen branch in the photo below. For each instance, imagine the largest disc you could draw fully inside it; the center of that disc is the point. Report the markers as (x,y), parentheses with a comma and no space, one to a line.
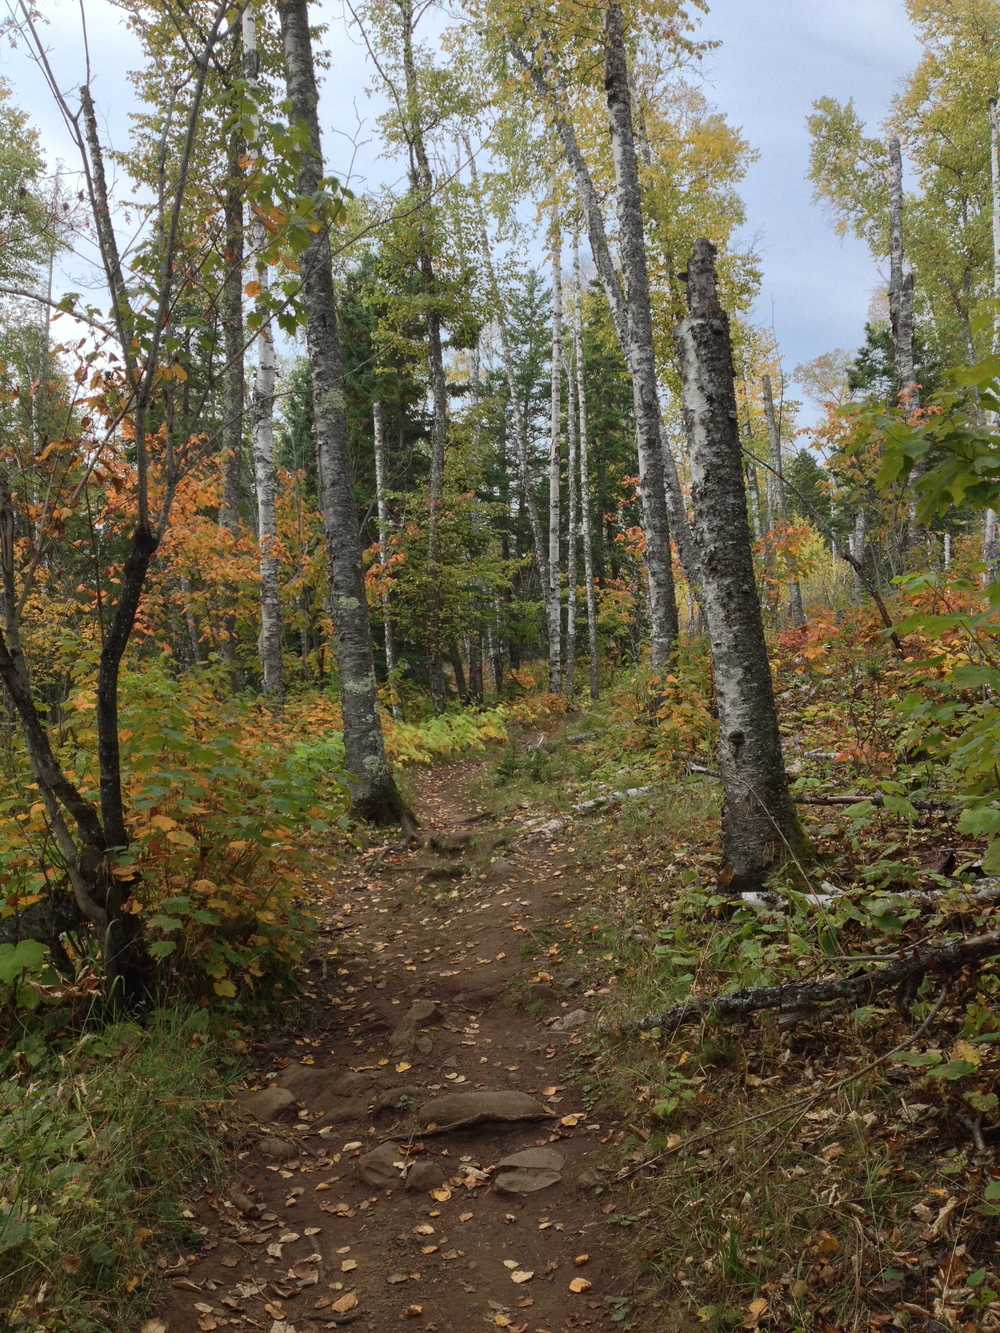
(943,959)
(877,799)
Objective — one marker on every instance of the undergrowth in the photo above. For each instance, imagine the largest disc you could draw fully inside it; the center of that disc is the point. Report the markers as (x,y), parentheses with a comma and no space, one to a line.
(96,1149)
(787,1172)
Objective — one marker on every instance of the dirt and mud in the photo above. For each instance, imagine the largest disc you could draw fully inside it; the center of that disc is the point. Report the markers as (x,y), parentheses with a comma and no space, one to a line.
(374,1187)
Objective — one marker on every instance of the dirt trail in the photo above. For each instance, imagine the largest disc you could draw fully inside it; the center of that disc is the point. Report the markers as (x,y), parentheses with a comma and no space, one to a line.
(331,1236)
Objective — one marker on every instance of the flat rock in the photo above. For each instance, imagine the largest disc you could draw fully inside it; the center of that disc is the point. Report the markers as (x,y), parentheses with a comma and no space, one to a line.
(348,1084)
(501,869)
(344,1109)
(391,1098)
(268,1104)
(534,1159)
(540,991)
(304,1081)
(378,1168)
(424,1045)
(469,1108)
(277,1150)
(425,1175)
(571,1022)
(524,1182)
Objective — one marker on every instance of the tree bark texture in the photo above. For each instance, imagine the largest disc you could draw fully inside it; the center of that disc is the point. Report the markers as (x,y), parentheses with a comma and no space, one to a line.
(663,609)
(796,611)
(374,792)
(586,534)
(384,527)
(900,283)
(572,524)
(552,602)
(991,544)
(760,829)
(262,435)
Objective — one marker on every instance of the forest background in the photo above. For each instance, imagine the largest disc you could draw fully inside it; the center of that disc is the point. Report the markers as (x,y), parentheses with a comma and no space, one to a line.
(305,484)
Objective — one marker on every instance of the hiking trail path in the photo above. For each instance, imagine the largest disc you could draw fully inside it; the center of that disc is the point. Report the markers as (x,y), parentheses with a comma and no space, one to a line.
(423,1009)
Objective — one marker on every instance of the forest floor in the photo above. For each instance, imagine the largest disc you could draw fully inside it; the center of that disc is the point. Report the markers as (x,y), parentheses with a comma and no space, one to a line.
(433,984)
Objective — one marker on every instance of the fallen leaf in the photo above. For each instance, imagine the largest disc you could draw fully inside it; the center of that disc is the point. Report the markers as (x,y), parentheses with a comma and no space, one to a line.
(825,1243)
(202,1307)
(154,1326)
(348,1265)
(274,1251)
(510,1263)
(307,1060)
(229,1260)
(571,1120)
(347,1302)
(403,1066)
(312,1231)
(521,1275)
(580,1284)
(393,1278)
(756,1311)
(414,1310)
(442,1195)
(581,1259)
(423,1230)
(465,1217)
(206,1323)
(287,1237)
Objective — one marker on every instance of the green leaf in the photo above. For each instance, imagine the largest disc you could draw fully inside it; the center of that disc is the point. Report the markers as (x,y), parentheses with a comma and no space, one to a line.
(991,861)
(992,1191)
(27,956)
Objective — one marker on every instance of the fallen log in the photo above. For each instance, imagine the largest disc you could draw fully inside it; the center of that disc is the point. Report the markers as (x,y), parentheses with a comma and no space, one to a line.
(873,798)
(941,959)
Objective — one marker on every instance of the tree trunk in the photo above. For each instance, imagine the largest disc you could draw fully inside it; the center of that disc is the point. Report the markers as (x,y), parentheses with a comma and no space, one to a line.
(262,433)
(900,284)
(384,527)
(233,380)
(553,600)
(423,184)
(991,545)
(630,317)
(588,545)
(374,792)
(760,828)
(642,356)
(572,524)
(856,546)
(796,611)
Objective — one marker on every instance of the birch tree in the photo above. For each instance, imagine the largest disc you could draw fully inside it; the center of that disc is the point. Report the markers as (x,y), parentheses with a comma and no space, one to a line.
(760,828)
(552,602)
(374,795)
(587,540)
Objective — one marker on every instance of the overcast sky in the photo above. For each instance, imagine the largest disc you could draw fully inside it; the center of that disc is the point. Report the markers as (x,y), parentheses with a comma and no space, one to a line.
(776,58)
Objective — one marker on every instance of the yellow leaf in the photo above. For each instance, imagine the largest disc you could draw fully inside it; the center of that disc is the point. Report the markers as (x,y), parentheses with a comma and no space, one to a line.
(580,1284)
(964,1050)
(825,1243)
(163,822)
(225,989)
(442,1195)
(252,289)
(403,1066)
(580,1260)
(181,838)
(347,1302)
(180,373)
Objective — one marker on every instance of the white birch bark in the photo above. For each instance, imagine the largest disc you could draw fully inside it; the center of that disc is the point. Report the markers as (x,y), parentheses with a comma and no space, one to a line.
(991,525)
(555,462)
(384,528)
(796,611)
(760,828)
(588,545)
(374,793)
(262,435)
(856,546)
(572,524)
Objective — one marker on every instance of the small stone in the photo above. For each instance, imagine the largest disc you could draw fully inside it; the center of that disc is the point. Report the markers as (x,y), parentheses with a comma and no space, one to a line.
(268,1104)
(419,1015)
(392,1098)
(540,992)
(534,1159)
(525,1182)
(571,1022)
(501,869)
(424,1045)
(278,1150)
(471,1107)
(377,1168)
(588,1179)
(425,1175)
